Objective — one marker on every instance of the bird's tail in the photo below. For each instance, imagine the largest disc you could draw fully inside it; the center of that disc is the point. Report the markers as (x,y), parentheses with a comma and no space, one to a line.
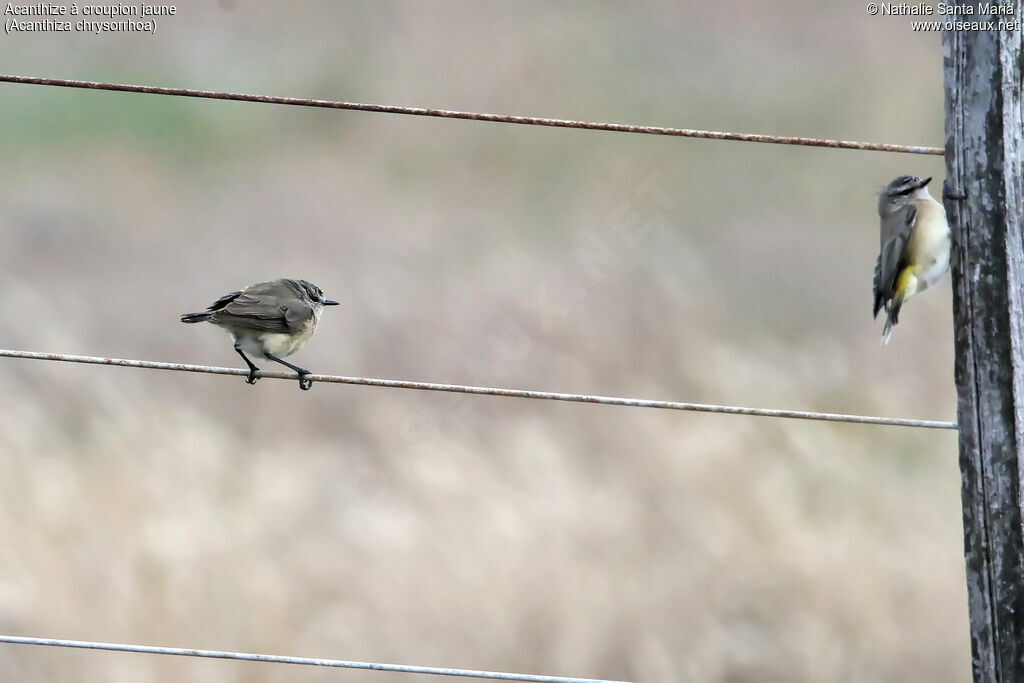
(906,287)
(892,313)
(195,317)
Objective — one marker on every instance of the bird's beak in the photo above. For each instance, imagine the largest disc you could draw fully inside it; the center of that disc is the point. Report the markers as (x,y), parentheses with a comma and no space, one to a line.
(924,181)
(328,302)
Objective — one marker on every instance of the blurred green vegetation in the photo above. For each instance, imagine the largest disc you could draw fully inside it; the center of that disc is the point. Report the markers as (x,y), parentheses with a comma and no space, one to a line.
(464,531)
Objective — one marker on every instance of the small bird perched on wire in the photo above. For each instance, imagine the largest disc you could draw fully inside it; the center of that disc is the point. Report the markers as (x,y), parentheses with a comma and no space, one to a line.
(915,239)
(269,320)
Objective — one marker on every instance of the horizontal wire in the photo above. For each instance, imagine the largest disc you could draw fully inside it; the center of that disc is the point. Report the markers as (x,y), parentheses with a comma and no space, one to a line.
(308,661)
(491,391)
(473,116)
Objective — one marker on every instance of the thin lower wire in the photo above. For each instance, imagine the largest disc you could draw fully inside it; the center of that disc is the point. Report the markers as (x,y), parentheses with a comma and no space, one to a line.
(308,661)
(492,391)
(475,116)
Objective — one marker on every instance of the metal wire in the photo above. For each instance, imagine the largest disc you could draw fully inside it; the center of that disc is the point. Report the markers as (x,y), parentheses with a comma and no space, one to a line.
(424,386)
(308,661)
(491,391)
(473,116)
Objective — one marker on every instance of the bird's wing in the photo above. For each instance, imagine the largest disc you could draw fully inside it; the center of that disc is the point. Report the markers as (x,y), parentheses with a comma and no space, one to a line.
(898,223)
(896,230)
(296,314)
(223,301)
(254,311)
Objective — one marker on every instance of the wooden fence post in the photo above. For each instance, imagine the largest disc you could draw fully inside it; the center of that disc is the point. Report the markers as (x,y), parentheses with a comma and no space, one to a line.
(985,162)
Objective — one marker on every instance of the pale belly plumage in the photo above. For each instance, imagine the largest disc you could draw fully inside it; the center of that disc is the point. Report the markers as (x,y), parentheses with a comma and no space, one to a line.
(277,343)
(929,247)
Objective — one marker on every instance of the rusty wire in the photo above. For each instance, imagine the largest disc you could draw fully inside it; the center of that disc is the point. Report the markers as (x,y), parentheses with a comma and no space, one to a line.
(425,386)
(474,116)
(492,391)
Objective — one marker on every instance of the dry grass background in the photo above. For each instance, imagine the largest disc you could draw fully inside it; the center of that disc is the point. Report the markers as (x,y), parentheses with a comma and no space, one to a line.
(359,523)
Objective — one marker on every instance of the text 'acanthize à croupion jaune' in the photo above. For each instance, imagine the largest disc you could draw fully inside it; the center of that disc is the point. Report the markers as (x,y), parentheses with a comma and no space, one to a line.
(119,18)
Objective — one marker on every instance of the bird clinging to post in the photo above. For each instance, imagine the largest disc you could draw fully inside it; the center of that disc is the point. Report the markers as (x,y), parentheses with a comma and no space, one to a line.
(915,243)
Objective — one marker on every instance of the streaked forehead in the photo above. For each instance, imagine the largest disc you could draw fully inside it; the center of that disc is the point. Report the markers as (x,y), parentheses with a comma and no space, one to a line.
(901,185)
(311,289)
